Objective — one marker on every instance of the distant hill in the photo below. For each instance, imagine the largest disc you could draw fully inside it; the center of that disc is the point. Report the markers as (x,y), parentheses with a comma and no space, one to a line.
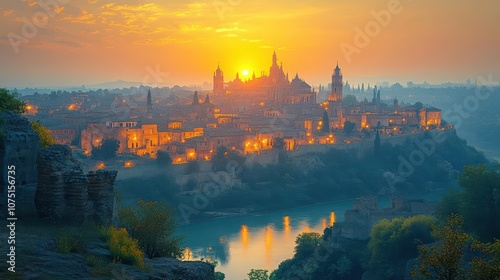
(113,85)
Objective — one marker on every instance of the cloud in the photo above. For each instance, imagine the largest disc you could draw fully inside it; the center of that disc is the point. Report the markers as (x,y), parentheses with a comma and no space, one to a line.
(231,29)
(7,13)
(85,18)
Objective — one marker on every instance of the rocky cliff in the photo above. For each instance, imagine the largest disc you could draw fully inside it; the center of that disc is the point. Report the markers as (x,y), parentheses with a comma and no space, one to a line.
(19,146)
(65,193)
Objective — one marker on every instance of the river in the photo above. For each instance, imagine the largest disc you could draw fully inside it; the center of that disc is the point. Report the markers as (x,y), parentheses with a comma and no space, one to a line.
(263,241)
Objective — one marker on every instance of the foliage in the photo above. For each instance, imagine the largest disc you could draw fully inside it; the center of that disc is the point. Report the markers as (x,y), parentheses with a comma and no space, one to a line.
(153,225)
(101,267)
(481,200)
(107,149)
(394,242)
(326,122)
(478,203)
(376,143)
(125,249)
(224,156)
(258,274)
(219,275)
(443,260)
(9,102)
(68,242)
(163,158)
(279,143)
(46,139)
(349,100)
(306,243)
(485,265)
(349,127)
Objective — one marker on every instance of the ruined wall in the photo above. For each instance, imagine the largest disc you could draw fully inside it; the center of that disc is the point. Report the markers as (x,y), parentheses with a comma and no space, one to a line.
(101,194)
(65,193)
(19,146)
(359,222)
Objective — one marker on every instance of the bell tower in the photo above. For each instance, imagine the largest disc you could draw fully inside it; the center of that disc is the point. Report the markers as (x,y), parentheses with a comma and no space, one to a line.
(337,85)
(218,81)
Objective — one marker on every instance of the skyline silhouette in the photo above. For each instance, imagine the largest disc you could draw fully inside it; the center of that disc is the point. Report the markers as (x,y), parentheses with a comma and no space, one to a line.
(95,41)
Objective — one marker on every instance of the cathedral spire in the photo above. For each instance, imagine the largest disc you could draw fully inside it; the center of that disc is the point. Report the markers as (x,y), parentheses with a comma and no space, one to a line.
(207,100)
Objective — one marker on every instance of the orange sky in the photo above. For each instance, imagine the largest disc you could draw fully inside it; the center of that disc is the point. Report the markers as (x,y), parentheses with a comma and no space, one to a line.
(94,41)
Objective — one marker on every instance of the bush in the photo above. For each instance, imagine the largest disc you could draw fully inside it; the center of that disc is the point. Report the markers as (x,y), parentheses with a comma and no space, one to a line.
(163,158)
(153,225)
(68,242)
(125,249)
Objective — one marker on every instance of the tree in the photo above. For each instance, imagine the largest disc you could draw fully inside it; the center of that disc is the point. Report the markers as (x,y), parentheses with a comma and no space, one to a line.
(107,149)
(349,100)
(258,274)
(478,203)
(9,102)
(46,139)
(349,127)
(485,265)
(393,243)
(377,142)
(306,243)
(326,122)
(443,260)
(279,143)
(154,225)
(481,200)
(163,158)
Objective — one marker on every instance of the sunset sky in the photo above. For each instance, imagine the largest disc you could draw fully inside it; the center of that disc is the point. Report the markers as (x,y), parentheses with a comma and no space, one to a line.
(84,42)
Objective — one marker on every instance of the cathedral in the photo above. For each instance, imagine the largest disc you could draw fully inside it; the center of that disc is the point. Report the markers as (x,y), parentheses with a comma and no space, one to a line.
(273,89)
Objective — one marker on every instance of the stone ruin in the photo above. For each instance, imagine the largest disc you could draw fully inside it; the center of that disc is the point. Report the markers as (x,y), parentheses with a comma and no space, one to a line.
(65,193)
(19,146)
(359,221)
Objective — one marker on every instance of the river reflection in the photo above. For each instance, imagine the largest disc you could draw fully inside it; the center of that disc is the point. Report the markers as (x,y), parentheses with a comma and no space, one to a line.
(239,244)
(262,241)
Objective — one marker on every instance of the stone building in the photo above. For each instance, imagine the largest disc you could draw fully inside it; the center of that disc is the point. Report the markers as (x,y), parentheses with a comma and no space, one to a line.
(365,214)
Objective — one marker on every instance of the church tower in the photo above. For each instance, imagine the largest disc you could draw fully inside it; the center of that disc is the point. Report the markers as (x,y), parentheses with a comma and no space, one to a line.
(337,85)
(218,81)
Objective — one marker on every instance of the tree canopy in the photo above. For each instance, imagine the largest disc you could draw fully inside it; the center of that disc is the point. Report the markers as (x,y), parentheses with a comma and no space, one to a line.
(46,139)
(107,149)
(9,102)
(478,202)
(154,225)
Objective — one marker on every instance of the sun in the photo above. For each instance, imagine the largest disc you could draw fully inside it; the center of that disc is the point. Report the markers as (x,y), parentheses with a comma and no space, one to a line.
(244,72)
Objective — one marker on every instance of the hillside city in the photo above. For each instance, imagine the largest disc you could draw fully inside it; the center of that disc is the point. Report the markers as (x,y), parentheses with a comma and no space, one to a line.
(247,114)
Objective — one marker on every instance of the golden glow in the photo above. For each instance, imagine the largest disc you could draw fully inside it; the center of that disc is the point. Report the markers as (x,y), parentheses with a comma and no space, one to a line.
(71,107)
(269,245)
(332,218)
(101,166)
(28,107)
(187,254)
(286,225)
(128,164)
(244,236)
(323,223)
(244,72)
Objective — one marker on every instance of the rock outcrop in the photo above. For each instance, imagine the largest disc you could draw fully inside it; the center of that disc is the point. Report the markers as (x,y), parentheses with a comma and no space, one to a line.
(19,146)
(64,192)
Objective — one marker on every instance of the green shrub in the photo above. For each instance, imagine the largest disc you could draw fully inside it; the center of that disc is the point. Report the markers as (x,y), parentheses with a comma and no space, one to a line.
(125,249)
(101,267)
(67,242)
(153,225)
